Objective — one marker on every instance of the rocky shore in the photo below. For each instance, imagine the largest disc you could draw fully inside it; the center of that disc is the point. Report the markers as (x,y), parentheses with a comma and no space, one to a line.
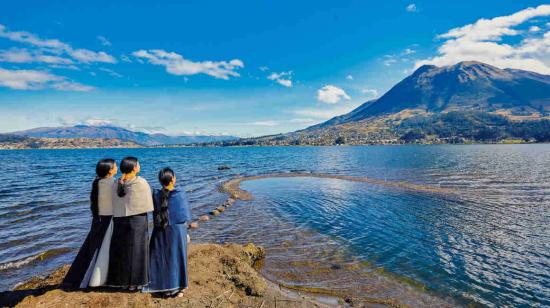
(220,276)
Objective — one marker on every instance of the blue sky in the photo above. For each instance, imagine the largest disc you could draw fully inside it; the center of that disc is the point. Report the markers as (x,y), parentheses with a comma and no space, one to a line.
(243,68)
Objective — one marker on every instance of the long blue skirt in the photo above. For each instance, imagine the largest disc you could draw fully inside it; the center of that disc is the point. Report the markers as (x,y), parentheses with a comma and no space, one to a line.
(168,259)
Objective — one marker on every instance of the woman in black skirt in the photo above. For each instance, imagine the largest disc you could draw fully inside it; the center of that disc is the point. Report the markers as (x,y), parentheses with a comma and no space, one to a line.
(129,253)
(84,265)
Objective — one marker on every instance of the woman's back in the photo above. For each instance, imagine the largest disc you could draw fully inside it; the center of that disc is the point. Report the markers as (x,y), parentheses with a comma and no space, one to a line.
(105,196)
(178,207)
(137,198)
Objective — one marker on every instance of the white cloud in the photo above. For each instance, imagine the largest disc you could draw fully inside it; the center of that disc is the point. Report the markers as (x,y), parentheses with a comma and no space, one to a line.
(125,58)
(88,56)
(389,60)
(373,93)
(483,41)
(264,68)
(110,72)
(283,78)
(534,29)
(349,77)
(175,64)
(104,41)
(54,46)
(16,55)
(36,80)
(98,122)
(411,8)
(67,85)
(408,51)
(331,94)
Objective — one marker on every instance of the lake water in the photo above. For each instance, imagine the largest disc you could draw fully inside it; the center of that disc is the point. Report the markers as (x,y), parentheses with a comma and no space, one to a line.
(488,243)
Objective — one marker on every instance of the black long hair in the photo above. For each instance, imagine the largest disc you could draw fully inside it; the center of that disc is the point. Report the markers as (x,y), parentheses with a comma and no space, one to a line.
(102,169)
(166,175)
(127,165)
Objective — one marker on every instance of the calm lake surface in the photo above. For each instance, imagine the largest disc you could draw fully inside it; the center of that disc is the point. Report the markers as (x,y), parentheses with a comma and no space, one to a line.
(487,244)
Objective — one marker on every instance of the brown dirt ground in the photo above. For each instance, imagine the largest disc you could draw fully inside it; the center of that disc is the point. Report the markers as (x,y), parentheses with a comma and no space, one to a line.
(219,276)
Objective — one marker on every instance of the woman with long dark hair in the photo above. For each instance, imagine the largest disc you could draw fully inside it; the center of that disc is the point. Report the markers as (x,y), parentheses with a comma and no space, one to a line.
(168,247)
(89,268)
(129,253)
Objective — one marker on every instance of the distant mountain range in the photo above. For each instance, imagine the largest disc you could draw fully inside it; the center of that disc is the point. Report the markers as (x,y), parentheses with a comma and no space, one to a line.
(467,102)
(119,133)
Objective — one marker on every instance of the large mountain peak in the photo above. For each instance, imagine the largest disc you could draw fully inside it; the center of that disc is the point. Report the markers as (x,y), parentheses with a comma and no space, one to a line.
(467,85)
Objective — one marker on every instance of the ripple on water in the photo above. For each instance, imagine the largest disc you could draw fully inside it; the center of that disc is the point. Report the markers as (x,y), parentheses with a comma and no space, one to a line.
(484,247)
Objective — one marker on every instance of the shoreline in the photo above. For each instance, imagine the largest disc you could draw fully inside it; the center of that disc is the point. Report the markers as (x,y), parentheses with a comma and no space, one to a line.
(221,275)
(269,146)
(232,188)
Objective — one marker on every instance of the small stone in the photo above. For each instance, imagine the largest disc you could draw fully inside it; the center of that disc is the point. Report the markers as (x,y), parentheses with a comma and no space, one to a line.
(194,225)
(215,212)
(224,167)
(220,209)
(204,218)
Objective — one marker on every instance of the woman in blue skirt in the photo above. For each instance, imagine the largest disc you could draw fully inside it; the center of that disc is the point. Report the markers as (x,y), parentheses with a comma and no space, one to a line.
(168,246)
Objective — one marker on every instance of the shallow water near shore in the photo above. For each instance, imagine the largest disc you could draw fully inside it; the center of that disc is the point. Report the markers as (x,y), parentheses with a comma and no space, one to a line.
(488,244)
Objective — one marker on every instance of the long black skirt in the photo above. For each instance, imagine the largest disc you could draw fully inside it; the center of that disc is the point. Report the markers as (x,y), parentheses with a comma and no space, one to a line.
(87,252)
(129,253)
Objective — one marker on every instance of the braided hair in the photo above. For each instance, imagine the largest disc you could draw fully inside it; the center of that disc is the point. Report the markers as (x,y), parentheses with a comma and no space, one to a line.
(166,175)
(127,165)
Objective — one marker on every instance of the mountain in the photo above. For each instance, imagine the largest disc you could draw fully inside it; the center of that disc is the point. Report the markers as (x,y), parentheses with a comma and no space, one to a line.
(466,102)
(8,141)
(465,86)
(114,132)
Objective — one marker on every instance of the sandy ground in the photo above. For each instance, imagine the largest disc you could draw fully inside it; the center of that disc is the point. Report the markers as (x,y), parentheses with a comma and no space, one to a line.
(232,187)
(220,276)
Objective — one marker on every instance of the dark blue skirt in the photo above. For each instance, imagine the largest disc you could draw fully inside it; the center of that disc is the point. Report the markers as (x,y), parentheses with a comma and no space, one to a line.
(128,262)
(168,259)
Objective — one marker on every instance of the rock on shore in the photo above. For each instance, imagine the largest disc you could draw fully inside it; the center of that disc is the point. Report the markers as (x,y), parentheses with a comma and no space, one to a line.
(219,276)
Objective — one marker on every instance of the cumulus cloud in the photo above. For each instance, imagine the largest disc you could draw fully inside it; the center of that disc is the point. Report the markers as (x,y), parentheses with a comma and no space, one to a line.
(483,41)
(349,77)
(283,78)
(36,80)
(175,64)
(331,94)
(55,46)
(411,8)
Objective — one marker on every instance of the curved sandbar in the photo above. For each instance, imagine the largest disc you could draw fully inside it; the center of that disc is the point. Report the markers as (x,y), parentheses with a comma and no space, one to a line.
(232,187)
